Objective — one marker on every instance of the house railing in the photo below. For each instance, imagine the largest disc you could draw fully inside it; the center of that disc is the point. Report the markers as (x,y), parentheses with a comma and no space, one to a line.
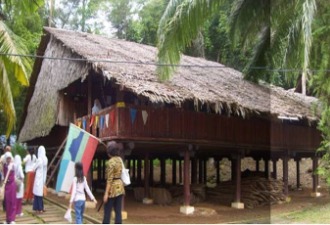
(122,121)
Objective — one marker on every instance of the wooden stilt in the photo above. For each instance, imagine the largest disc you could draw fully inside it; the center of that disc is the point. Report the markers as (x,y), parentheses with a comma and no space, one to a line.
(163,171)
(298,172)
(194,171)
(174,171)
(266,168)
(237,162)
(139,171)
(286,175)
(200,171)
(275,168)
(151,179)
(186,208)
(217,163)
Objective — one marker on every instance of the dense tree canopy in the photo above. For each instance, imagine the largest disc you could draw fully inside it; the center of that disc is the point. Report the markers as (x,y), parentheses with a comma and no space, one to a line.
(20,28)
(275,41)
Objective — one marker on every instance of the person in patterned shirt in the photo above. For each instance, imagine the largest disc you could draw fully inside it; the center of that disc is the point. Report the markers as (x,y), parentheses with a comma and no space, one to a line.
(115,190)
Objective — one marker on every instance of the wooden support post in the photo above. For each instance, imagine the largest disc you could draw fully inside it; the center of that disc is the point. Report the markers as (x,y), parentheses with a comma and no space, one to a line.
(134,170)
(146,199)
(180,171)
(286,175)
(99,173)
(204,171)
(233,169)
(89,94)
(257,165)
(186,181)
(151,180)
(194,171)
(146,175)
(237,203)
(217,163)
(186,208)
(200,171)
(174,171)
(315,193)
(162,171)
(275,168)
(139,171)
(267,168)
(298,172)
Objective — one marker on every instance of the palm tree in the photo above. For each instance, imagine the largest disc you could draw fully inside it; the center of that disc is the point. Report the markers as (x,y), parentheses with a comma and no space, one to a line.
(178,26)
(14,71)
(280,32)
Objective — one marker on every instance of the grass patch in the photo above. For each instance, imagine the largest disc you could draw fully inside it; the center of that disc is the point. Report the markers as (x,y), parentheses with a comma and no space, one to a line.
(316,214)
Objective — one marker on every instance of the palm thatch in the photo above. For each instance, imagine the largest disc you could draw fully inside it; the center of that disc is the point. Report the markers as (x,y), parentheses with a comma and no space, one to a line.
(132,66)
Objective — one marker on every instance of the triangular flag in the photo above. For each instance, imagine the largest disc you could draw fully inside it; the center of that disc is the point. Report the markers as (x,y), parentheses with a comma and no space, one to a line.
(144,116)
(107,120)
(133,114)
(101,121)
(84,123)
(96,121)
(92,121)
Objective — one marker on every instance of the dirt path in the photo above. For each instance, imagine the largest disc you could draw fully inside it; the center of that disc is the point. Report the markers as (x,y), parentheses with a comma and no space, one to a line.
(206,212)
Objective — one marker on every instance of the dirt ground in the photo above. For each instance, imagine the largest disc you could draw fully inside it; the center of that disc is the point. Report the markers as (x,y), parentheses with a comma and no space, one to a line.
(208,212)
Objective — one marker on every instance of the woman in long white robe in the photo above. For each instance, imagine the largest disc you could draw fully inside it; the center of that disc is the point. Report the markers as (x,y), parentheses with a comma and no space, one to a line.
(40,169)
(19,175)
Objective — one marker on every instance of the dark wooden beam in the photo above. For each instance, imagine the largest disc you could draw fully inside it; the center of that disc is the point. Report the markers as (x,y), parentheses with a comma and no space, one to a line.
(237,172)
(146,175)
(186,181)
(286,174)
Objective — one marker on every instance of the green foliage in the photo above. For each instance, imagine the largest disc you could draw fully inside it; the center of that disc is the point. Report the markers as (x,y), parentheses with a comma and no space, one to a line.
(150,15)
(79,15)
(179,25)
(19,149)
(120,15)
(320,83)
(24,20)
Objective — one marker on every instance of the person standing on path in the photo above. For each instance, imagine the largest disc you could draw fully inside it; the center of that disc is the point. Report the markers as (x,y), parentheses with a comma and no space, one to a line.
(10,188)
(115,190)
(19,190)
(29,161)
(2,162)
(79,185)
(40,169)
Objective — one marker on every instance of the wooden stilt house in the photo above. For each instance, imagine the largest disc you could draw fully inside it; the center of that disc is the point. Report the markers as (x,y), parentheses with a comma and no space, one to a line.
(205,110)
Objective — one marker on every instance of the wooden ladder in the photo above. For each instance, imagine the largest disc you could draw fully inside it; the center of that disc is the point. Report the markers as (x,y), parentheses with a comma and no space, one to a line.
(54,164)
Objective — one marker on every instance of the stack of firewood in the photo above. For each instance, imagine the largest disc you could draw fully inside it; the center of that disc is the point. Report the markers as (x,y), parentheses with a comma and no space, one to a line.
(255,191)
(197,193)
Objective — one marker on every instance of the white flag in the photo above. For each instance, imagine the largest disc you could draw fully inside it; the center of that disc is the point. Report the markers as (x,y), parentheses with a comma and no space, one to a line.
(144,116)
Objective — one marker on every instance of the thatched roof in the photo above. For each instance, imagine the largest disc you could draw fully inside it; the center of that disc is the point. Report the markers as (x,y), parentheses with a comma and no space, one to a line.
(133,67)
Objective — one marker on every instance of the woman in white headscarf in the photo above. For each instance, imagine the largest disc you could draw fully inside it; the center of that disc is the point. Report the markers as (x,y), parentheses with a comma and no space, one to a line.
(40,169)
(19,174)
(97,106)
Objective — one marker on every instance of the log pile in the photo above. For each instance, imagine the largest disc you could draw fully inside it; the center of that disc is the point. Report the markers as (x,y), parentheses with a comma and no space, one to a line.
(160,196)
(197,193)
(256,191)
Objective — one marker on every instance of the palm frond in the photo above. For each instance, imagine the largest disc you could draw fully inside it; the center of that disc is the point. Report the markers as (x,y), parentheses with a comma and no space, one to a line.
(248,18)
(7,100)
(307,16)
(178,26)
(10,44)
(259,59)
